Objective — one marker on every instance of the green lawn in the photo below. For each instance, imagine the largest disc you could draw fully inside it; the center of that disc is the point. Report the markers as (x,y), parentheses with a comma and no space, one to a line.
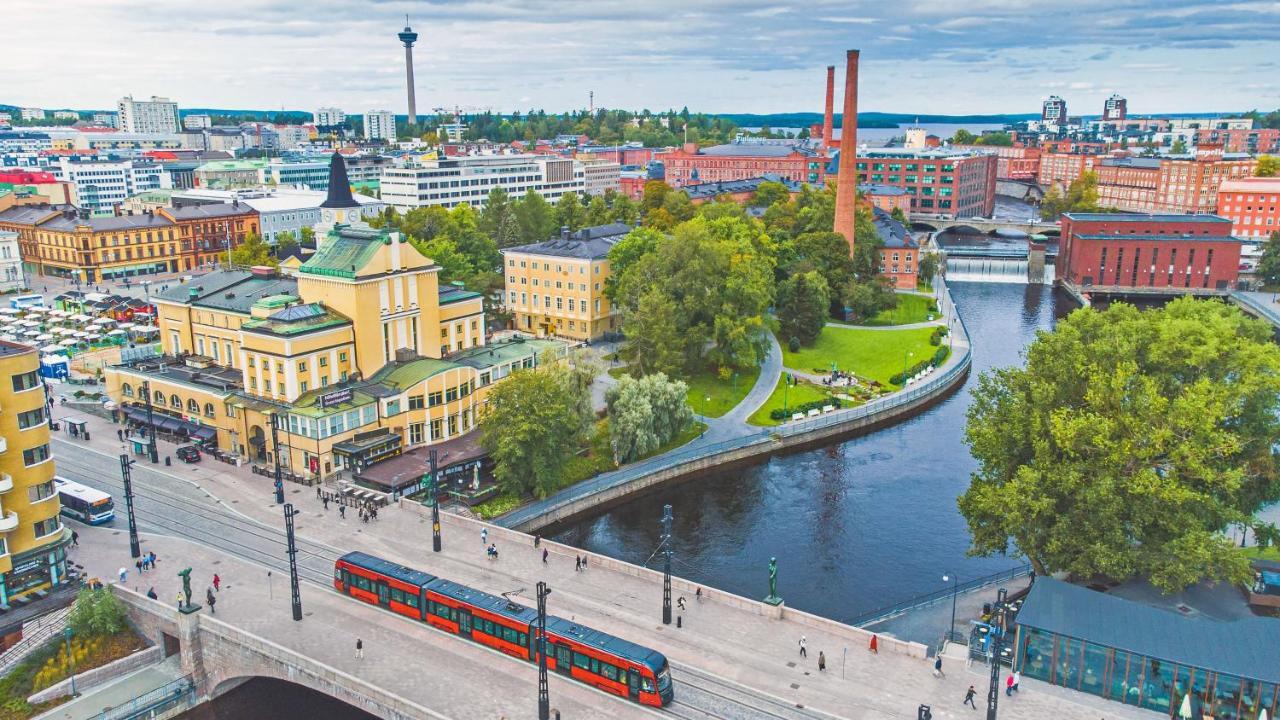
(794,395)
(924,287)
(725,394)
(910,309)
(871,354)
(1256,553)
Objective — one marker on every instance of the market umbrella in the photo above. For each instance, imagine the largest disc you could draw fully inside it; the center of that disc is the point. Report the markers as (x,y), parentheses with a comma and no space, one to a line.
(8,311)
(1263,714)
(51,348)
(103,321)
(1185,712)
(125,326)
(67,343)
(80,334)
(117,332)
(44,337)
(32,333)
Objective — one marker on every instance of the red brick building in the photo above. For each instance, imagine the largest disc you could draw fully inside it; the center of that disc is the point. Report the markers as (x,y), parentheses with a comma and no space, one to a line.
(1240,140)
(939,181)
(1015,162)
(1061,169)
(631,184)
(886,197)
(1168,185)
(691,165)
(1252,205)
(1179,253)
(900,256)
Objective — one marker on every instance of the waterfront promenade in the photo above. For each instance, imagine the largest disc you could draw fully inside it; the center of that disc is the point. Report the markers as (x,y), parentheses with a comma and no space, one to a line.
(730,659)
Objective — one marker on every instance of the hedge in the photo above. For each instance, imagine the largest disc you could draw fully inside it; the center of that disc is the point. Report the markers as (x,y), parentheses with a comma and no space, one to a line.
(938,333)
(786,413)
(939,356)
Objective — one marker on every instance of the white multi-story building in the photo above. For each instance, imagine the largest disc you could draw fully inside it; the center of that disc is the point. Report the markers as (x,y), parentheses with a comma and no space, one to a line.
(11,277)
(380,125)
(197,122)
(31,113)
(289,137)
(280,210)
(66,115)
(104,184)
(600,176)
(457,180)
(19,141)
(157,115)
(305,175)
(109,119)
(329,116)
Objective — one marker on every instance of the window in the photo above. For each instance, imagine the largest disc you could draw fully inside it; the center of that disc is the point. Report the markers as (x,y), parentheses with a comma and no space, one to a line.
(35,455)
(435,398)
(193,407)
(324,362)
(26,381)
(302,367)
(393,407)
(47,527)
(43,491)
(417,402)
(31,418)
(208,409)
(127,390)
(450,394)
(175,402)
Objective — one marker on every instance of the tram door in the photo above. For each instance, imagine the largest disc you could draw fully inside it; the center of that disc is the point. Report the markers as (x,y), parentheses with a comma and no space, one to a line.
(633,683)
(464,622)
(384,594)
(564,661)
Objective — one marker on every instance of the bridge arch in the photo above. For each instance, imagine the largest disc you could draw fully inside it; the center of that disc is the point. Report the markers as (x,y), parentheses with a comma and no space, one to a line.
(918,226)
(274,695)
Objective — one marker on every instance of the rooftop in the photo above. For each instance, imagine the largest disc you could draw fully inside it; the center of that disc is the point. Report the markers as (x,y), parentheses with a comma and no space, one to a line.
(586,244)
(231,290)
(1251,184)
(295,320)
(893,233)
(1144,217)
(1247,648)
(450,294)
(1160,238)
(755,150)
(703,191)
(345,251)
(503,352)
(875,189)
(9,349)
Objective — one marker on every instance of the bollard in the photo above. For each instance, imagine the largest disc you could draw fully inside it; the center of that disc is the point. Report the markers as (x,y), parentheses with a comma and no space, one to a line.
(679,621)
(168,461)
(924,713)
(86,436)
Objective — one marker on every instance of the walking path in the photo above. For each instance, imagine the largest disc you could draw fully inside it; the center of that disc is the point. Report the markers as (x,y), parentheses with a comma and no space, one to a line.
(117,692)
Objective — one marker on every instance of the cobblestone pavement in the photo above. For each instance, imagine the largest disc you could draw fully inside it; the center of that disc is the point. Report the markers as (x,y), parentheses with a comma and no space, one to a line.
(719,645)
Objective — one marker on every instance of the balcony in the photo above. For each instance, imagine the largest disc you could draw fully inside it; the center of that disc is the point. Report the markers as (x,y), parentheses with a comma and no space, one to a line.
(6,483)
(9,522)
(4,445)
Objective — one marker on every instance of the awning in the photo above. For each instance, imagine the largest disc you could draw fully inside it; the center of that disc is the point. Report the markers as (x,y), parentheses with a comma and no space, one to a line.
(166,423)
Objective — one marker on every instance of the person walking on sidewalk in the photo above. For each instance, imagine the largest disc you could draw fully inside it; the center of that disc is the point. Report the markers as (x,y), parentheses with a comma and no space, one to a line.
(124,574)
(822,661)
(217,583)
(484,536)
(342,511)
(577,563)
(804,652)
(138,564)
(1017,678)
(359,649)
(968,698)
(209,598)
(75,539)
(937,668)
(545,553)
(1008,686)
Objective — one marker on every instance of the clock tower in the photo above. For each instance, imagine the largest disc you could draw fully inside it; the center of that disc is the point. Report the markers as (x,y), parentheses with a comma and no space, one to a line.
(340,207)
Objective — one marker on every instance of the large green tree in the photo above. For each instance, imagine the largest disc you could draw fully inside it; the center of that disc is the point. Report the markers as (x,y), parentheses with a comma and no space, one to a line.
(498,219)
(645,413)
(1268,166)
(1127,444)
(804,300)
(535,218)
(654,342)
(253,251)
(533,423)
(1081,196)
(1269,264)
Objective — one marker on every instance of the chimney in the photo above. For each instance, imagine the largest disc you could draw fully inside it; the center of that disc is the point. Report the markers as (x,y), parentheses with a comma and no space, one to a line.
(564,232)
(828,118)
(847,178)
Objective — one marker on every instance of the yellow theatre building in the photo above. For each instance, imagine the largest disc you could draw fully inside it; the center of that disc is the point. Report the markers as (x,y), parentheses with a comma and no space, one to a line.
(362,356)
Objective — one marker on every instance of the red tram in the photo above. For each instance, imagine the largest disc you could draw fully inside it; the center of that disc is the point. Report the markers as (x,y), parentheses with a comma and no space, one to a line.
(590,656)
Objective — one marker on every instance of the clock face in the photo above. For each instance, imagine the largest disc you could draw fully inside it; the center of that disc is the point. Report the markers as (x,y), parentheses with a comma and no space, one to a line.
(327,216)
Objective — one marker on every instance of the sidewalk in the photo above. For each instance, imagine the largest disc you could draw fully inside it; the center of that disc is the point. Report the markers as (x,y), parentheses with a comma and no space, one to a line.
(118,692)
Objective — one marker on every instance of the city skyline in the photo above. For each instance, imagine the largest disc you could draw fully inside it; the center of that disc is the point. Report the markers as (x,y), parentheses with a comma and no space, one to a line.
(746,57)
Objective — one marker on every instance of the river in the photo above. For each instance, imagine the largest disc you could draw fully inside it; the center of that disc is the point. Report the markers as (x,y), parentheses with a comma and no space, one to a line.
(857,525)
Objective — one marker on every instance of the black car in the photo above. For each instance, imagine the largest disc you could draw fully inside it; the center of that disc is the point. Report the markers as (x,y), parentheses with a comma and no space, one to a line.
(189,454)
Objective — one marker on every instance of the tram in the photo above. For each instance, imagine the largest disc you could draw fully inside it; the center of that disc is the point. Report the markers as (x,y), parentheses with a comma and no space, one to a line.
(590,656)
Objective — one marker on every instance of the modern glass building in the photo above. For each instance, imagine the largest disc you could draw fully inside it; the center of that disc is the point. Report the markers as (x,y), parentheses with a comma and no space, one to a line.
(1144,656)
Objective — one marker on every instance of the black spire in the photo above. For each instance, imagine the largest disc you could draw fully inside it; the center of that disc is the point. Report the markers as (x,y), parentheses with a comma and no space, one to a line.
(339,186)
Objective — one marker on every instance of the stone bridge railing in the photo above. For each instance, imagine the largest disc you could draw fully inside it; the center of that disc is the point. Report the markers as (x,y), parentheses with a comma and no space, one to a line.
(218,656)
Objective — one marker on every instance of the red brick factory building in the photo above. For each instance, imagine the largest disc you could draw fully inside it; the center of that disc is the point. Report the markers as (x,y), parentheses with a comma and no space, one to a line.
(1161,254)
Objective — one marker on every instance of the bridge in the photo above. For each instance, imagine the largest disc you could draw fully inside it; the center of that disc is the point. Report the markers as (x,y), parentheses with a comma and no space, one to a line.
(731,656)
(983,226)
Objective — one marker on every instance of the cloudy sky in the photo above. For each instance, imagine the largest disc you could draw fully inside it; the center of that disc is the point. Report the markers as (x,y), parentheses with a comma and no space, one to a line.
(919,56)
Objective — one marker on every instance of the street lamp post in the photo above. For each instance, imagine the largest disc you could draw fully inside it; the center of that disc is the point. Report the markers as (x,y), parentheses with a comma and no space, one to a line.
(666,571)
(706,401)
(997,639)
(152,453)
(906,358)
(434,495)
(134,549)
(544,697)
(292,551)
(66,638)
(955,593)
(275,452)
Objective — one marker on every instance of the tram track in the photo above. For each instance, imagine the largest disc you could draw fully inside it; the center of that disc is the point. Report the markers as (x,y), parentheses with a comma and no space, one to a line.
(715,697)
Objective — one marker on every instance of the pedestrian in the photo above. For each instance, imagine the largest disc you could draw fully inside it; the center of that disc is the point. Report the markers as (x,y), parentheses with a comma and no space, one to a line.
(484,536)
(968,698)
(537,540)
(138,564)
(75,538)
(181,599)
(151,593)
(680,602)
(803,651)
(317,492)
(1017,678)
(364,517)
(875,645)
(153,560)
(698,595)
(325,500)
(1008,686)
(359,649)
(120,434)
(217,583)
(545,552)
(208,597)
(822,661)
(584,562)
(123,574)
(937,668)
(577,563)
(342,511)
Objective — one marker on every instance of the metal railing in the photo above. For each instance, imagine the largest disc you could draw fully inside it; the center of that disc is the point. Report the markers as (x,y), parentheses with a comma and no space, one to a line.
(955,365)
(46,626)
(929,598)
(180,692)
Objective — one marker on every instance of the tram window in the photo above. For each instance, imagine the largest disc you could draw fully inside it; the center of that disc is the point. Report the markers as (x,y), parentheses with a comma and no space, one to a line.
(595,666)
(581,661)
(488,627)
(524,639)
(397,596)
(609,671)
(508,634)
(646,684)
(411,600)
(337,573)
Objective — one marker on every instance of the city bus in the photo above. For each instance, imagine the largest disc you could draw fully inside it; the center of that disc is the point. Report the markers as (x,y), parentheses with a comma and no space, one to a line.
(21,301)
(83,503)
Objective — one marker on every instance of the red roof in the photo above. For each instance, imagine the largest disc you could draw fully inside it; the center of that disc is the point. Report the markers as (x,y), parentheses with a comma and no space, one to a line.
(161,154)
(22,177)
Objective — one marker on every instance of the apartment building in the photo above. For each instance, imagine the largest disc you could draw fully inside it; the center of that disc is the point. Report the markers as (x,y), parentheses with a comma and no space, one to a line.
(157,115)
(103,183)
(556,287)
(1252,204)
(1168,185)
(33,541)
(468,179)
(380,125)
(939,181)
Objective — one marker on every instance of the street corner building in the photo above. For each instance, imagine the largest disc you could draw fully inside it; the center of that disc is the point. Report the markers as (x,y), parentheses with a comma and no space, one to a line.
(33,540)
(360,356)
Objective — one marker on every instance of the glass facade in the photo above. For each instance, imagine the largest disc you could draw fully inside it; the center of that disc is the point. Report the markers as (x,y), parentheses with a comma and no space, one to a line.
(1141,681)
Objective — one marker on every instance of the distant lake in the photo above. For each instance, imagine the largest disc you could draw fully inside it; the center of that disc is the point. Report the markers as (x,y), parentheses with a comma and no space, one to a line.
(879,137)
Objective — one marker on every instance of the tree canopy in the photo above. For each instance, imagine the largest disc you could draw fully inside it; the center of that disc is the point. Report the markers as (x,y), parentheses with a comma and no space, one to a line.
(1127,444)
(1081,196)
(1268,166)
(644,414)
(253,251)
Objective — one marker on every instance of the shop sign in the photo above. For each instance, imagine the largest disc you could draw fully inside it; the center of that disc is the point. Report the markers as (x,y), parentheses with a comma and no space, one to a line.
(25,567)
(335,398)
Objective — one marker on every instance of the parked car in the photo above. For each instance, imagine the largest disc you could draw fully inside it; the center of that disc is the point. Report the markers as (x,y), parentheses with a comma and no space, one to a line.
(189,454)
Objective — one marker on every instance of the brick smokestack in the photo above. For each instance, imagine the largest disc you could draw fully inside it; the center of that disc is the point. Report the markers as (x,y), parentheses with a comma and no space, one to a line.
(828,119)
(847,178)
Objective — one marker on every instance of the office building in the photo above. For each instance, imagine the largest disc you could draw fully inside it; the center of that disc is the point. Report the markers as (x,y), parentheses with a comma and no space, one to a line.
(1168,185)
(157,115)
(196,122)
(33,540)
(469,179)
(1179,254)
(380,125)
(943,182)
(1054,111)
(328,117)
(1115,109)
(556,287)
(691,164)
(1252,204)
(102,183)
(600,176)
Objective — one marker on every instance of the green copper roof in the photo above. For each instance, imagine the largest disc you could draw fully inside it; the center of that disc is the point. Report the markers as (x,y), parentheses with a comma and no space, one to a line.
(295,320)
(398,376)
(344,252)
(276,301)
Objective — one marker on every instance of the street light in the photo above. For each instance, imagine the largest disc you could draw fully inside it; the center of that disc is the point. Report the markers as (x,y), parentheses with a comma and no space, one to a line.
(134,549)
(906,357)
(706,400)
(955,593)
(66,638)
